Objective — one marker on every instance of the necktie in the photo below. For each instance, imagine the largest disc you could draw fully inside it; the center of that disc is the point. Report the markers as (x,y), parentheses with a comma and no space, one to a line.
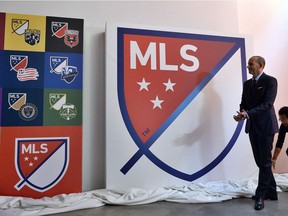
(254,82)
(253,88)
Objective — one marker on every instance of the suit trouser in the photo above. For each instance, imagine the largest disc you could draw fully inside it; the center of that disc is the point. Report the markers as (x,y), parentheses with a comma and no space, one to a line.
(262,147)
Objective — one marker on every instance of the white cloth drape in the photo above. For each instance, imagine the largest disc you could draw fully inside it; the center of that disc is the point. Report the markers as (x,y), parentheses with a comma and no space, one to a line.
(216,191)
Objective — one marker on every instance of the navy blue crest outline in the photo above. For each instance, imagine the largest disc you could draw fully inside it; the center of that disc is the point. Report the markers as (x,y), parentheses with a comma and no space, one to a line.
(144,149)
(25,180)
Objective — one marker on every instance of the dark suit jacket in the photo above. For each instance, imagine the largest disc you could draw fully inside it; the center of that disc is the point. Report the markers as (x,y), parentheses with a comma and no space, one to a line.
(258,103)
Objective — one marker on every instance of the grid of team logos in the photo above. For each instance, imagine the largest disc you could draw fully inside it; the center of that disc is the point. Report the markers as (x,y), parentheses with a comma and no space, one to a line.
(41,86)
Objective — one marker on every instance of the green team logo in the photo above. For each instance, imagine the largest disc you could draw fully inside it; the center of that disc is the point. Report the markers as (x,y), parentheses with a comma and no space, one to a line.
(68,111)
(57,100)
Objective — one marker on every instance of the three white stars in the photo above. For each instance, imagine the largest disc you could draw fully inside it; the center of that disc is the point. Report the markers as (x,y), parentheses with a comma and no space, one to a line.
(31,163)
(157,102)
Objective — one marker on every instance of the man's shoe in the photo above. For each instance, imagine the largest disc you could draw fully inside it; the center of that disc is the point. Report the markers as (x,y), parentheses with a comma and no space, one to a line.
(259,204)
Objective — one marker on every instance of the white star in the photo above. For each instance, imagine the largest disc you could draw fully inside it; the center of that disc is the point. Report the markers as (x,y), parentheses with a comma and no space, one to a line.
(143,84)
(26,158)
(157,102)
(35,158)
(169,85)
(30,164)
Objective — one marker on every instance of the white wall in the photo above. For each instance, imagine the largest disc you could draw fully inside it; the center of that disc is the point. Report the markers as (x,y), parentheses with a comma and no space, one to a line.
(265,21)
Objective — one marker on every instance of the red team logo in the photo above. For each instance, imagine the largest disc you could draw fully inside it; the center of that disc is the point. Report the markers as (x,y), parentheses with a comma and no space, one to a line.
(59,28)
(71,38)
(159,74)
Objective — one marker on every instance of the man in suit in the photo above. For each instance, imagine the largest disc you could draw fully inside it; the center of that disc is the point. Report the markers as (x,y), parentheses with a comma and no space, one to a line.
(257,108)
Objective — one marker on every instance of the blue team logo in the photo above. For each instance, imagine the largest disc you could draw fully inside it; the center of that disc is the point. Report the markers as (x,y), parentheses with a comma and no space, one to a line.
(41,162)
(69,73)
(57,63)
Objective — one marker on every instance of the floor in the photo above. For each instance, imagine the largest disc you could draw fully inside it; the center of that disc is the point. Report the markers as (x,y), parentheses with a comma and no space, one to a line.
(235,207)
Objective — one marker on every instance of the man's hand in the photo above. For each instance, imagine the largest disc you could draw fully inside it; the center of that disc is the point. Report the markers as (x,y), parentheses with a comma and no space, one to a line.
(240,116)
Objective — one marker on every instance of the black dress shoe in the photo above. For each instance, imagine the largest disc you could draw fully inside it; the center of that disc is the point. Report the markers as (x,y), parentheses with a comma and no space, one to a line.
(259,204)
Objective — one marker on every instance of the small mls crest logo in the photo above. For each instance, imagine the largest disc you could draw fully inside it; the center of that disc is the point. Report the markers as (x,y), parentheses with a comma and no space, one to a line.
(41,162)
(59,29)
(19,26)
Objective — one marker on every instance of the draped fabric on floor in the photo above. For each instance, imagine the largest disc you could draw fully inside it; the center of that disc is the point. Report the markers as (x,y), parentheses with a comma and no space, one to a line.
(216,191)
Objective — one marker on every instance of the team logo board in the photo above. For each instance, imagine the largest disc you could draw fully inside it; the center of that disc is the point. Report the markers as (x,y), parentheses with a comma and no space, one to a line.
(25,32)
(64,35)
(40,74)
(23,69)
(22,108)
(160,75)
(63,70)
(62,107)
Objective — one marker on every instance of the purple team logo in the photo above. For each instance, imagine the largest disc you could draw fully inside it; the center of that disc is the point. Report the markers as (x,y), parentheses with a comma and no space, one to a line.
(41,162)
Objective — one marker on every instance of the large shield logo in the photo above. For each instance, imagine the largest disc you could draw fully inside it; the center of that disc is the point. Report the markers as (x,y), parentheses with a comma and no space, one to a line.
(153,92)
(41,162)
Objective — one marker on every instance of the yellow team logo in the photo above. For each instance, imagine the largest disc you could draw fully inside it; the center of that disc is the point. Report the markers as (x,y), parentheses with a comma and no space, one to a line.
(19,26)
